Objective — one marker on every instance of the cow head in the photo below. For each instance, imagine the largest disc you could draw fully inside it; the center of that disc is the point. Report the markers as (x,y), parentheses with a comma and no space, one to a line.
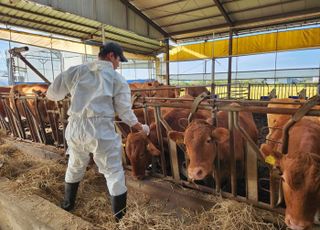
(301,185)
(201,140)
(139,150)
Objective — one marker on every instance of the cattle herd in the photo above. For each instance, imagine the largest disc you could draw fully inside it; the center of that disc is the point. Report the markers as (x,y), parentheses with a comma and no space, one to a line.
(204,143)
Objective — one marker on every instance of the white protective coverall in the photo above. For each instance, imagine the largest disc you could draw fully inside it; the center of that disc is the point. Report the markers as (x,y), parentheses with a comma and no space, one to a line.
(97,93)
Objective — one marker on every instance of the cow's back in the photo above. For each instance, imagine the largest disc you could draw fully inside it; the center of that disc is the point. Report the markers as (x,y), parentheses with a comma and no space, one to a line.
(196,91)
(276,122)
(30,90)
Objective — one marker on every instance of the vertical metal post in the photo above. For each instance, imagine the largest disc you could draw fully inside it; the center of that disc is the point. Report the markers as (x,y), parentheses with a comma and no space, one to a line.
(36,137)
(213,69)
(167,61)
(230,63)
(233,173)
(251,173)
(11,79)
(157,114)
(40,122)
(18,122)
(10,115)
(174,160)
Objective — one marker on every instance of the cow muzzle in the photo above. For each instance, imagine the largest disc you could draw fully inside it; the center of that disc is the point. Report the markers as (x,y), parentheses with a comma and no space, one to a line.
(197,173)
(297,225)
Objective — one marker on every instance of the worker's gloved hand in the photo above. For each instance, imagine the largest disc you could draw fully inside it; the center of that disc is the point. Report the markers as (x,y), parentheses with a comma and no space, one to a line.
(146,129)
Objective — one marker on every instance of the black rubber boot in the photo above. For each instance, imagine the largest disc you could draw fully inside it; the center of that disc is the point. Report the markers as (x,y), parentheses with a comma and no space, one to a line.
(70,193)
(119,205)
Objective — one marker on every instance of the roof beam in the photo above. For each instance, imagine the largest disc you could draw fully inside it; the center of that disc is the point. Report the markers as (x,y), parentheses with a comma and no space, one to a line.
(148,20)
(223,12)
(258,22)
(161,5)
(231,12)
(193,20)
(45,15)
(184,12)
(55,27)
(50,28)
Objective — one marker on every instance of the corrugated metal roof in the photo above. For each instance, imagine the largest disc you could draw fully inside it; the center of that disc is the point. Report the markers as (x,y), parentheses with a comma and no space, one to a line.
(35,16)
(178,19)
(186,18)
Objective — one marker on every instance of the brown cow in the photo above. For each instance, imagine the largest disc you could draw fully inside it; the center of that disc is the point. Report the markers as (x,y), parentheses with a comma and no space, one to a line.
(277,121)
(144,85)
(31,90)
(139,150)
(172,116)
(300,172)
(157,92)
(196,91)
(203,143)
(172,92)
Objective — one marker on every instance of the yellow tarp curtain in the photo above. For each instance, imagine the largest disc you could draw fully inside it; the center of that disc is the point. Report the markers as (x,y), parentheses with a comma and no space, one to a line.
(262,43)
(58,44)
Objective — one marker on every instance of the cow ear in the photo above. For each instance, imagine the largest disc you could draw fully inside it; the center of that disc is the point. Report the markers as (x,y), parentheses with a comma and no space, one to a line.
(270,156)
(176,136)
(220,134)
(153,149)
(183,123)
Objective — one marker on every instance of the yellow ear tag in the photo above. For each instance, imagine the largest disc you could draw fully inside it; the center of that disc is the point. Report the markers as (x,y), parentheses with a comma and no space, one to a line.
(270,160)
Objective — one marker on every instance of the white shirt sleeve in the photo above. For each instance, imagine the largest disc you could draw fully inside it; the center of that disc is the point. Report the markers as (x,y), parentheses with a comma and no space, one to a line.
(122,101)
(58,89)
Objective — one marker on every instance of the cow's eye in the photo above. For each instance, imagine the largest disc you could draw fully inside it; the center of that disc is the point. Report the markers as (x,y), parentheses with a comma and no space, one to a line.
(209,140)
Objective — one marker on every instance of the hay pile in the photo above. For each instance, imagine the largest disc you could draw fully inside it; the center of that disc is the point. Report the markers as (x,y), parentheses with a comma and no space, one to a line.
(45,178)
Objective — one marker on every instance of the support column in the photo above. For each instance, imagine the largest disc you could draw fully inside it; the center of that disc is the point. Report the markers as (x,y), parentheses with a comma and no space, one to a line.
(167,61)
(230,63)
(213,68)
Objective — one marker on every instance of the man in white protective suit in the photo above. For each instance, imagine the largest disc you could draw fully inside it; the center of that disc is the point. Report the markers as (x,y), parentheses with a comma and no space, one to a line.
(97,93)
